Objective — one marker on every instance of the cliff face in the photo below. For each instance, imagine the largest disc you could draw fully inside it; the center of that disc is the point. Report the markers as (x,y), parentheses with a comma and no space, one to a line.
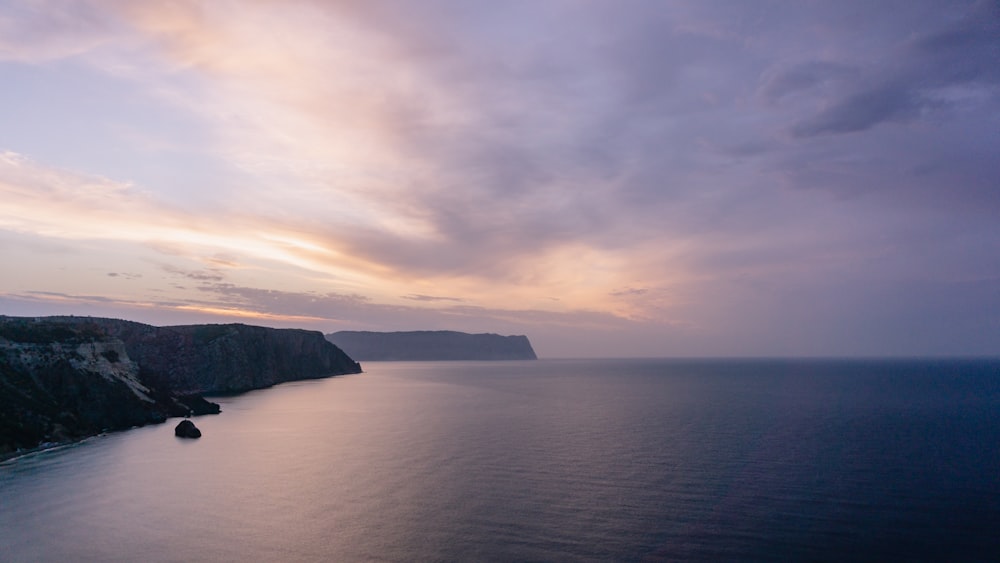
(59,384)
(65,378)
(228,358)
(432,345)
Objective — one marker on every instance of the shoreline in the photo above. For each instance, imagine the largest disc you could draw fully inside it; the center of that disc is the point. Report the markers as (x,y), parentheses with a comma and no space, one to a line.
(48,446)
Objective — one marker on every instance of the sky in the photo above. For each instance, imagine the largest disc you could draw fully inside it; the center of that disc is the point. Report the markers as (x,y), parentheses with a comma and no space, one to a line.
(626,178)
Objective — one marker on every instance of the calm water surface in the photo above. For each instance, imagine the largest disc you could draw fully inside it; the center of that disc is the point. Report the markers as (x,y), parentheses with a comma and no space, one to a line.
(554,460)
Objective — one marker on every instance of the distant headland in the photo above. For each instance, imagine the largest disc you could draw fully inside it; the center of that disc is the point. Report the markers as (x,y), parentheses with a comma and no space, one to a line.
(66,378)
(425,345)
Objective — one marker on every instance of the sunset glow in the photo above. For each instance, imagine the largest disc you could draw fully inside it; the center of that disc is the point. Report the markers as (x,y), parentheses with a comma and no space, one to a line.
(624,178)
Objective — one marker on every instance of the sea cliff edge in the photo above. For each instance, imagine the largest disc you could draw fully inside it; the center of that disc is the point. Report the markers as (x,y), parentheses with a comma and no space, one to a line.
(65,378)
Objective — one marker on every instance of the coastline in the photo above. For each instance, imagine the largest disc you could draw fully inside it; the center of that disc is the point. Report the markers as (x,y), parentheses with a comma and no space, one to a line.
(50,446)
(69,378)
(7,457)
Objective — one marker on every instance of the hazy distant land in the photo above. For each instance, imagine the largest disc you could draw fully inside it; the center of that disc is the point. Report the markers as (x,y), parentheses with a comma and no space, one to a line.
(426,345)
(66,378)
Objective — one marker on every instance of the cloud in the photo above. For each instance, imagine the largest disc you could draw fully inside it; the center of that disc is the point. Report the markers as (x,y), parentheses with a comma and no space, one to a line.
(629,291)
(200,276)
(861,111)
(37,31)
(101,305)
(360,311)
(620,167)
(58,296)
(66,205)
(905,87)
(804,76)
(431,298)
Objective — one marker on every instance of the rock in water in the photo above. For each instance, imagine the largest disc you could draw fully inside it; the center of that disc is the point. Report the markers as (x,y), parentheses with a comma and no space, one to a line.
(187,429)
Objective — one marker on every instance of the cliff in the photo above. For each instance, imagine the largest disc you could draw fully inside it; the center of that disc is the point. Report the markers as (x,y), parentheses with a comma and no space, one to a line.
(432,345)
(65,378)
(228,358)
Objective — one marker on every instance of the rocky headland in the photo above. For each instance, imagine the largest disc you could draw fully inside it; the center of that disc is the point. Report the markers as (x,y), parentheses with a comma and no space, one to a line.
(66,378)
(431,345)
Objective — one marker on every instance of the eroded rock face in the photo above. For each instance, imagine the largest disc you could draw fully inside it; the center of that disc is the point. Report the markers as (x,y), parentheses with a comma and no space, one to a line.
(187,429)
(194,359)
(65,378)
(60,384)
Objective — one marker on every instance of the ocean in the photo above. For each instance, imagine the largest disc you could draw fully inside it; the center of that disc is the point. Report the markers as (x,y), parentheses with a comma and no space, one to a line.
(552,460)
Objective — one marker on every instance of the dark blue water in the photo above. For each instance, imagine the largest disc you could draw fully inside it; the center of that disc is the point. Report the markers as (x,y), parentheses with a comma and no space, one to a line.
(542,461)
